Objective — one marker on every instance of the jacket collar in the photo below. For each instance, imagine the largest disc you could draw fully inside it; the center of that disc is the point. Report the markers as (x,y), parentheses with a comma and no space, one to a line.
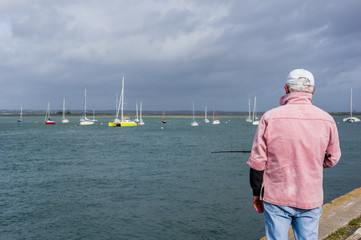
(296,98)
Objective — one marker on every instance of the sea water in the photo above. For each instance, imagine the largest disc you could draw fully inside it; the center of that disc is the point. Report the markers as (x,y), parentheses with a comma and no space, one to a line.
(157,181)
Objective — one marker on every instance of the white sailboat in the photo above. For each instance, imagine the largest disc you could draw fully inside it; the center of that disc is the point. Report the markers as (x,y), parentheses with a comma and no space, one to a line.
(194,123)
(84,121)
(122,122)
(136,112)
(141,122)
(254,117)
(206,120)
(215,120)
(94,120)
(64,120)
(249,119)
(351,119)
(21,115)
(47,116)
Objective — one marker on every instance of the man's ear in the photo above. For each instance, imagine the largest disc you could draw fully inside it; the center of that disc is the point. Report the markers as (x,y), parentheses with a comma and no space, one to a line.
(286,88)
(314,89)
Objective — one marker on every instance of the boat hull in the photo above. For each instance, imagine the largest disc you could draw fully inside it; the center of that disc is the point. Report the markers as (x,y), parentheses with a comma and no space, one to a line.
(351,119)
(49,122)
(86,123)
(194,124)
(216,122)
(122,124)
(255,123)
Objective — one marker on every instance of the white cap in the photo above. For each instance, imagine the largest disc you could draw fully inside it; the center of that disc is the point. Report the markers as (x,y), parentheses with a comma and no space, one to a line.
(300,73)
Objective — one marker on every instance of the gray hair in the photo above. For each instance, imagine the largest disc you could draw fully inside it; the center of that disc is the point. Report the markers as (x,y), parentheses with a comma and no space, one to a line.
(302,86)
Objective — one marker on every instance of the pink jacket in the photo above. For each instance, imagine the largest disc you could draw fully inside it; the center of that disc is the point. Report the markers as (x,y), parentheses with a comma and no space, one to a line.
(290,146)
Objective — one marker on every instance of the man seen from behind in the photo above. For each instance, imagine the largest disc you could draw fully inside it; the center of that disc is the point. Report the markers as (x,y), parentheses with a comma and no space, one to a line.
(293,144)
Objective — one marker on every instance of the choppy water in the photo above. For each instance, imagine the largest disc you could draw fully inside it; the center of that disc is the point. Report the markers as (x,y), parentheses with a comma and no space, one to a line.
(96,182)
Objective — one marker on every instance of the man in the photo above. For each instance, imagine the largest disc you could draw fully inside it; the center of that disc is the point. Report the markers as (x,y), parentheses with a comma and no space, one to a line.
(292,145)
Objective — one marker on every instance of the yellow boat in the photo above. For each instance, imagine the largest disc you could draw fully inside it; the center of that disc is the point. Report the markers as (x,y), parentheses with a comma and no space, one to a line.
(124,122)
(114,124)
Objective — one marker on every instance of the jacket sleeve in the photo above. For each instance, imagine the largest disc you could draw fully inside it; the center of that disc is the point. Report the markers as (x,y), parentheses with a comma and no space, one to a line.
(256,181)
(258,157)
(333,148)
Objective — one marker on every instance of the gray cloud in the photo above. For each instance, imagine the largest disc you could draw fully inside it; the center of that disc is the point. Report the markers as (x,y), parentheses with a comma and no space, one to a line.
(172,52)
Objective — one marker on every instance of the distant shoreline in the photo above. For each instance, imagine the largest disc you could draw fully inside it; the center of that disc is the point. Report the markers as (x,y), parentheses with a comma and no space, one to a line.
(155,115)
(128,115)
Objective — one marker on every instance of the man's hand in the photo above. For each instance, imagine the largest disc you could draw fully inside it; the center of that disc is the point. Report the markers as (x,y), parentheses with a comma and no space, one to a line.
(258,204)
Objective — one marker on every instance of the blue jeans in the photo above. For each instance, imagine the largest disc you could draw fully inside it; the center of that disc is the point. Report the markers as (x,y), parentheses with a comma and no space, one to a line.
(279,218)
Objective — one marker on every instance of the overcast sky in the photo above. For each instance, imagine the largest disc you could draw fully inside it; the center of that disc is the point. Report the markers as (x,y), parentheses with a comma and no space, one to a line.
(219,52)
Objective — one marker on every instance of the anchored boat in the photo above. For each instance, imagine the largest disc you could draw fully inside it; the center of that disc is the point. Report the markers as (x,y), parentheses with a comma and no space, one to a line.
(163,120)
(141,122)
(84,121)
(206,120)
(21,115)
(215,120)
(351,119)
(64,120)
(122,122)
(194,123)
(47,116)
(254,117)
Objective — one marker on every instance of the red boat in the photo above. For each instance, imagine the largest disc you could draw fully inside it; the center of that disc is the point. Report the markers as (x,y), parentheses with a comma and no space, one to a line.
(47,116)
(49,121)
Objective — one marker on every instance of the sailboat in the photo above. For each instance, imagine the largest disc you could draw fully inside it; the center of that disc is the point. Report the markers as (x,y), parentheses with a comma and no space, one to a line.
(254,118)
(136,112)
(116,122)
(84,121)
(64,120)
(351,119)
(194,123)
(249,119)
(122,122)
(21,115)
(205,115)
(215,120)
(47,116)
(94,120)
(163,120)
(141,122)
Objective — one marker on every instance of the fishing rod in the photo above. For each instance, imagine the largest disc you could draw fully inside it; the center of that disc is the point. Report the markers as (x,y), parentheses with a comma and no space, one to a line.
(232,151)
(327,155)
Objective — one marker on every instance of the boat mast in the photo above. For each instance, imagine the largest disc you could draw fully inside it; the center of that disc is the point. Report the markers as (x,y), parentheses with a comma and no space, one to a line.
(193,110)
(47,115)
(122,98)
(85,104)
(116,106)
(214,110)
(351,104)
(249,108)
(136,108)
(254,107)
(63,108)
(140,111)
